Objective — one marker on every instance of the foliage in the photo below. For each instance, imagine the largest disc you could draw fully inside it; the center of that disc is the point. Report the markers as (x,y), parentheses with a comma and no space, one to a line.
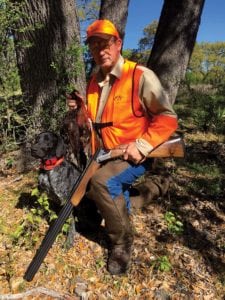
(13,115)
(209,113)
(149,35)
(207,64)
(27,232)
(88,10)
(201,107)
(200,102)
(10,14)
(14,119)
(208,178)
(163,264)
(89,62)
(57,115)
(175,226)
(9,80)
(206,85)
(141,55)
(136,55)
(43,205)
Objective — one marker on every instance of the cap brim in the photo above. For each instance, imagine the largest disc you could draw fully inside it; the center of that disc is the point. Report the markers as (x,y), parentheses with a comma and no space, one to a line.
(103,36)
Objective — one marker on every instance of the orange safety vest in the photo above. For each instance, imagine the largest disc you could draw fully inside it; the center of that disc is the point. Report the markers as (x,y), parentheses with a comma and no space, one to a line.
(123,114)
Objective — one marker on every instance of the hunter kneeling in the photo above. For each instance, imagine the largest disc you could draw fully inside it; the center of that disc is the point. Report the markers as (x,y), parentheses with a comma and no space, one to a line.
(129,111)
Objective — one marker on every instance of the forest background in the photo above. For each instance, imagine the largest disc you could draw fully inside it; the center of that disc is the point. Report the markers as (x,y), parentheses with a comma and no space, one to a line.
(189,222)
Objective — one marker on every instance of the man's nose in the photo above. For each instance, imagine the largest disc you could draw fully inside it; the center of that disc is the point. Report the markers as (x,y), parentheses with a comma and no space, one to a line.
(102,51)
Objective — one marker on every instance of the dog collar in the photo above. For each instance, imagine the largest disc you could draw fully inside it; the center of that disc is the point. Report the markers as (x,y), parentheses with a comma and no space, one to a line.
(51,163)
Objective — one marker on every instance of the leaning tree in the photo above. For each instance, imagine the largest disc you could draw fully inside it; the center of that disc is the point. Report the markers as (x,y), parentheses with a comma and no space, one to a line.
(174,42)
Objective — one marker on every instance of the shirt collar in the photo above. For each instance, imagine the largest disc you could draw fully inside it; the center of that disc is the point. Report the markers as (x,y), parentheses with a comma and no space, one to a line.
(117,70)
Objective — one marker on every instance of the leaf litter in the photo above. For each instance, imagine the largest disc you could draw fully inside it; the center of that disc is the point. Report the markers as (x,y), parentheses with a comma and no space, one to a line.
(165,265)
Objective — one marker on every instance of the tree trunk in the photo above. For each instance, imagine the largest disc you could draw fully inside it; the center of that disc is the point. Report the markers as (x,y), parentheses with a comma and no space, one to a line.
(174,42)
(116,12)
(53,35)
(47,56)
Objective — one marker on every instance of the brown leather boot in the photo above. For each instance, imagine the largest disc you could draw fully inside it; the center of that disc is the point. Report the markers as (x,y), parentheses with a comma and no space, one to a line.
(119,258)
(142,194)
(117,225)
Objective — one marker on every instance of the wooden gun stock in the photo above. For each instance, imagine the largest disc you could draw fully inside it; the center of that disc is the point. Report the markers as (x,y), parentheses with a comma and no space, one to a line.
(174,147)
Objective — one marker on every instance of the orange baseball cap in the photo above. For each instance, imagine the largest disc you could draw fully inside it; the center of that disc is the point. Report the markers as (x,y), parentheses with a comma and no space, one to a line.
(102,27)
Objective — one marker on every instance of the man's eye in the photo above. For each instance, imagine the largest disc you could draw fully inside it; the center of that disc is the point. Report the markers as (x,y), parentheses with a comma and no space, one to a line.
(102,44)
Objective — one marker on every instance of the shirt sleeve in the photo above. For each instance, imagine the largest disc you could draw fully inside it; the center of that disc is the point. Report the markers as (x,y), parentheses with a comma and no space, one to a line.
(163,119)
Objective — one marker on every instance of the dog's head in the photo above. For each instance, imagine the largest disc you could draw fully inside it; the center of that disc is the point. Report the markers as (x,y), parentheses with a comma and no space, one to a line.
(48,145)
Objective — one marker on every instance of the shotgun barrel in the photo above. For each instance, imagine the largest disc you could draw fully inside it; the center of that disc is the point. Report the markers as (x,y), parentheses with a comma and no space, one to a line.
(73,200)
(48,241)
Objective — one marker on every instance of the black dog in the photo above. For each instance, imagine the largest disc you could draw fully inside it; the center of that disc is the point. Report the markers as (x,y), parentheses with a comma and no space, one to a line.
(57,177)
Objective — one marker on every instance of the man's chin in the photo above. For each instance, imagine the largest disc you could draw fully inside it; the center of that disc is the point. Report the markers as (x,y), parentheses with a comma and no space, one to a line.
(106,67)
(106,63)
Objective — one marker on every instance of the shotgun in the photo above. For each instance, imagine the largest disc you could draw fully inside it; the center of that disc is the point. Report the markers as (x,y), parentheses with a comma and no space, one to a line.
(174,147)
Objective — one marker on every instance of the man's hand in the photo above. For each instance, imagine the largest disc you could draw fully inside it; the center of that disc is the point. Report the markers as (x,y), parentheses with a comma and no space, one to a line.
(131,153)
(71,103)
(74,100)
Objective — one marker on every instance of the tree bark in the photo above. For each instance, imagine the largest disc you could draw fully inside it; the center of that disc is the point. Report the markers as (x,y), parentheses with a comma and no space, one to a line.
(116,12)
(51,28)
(174,42)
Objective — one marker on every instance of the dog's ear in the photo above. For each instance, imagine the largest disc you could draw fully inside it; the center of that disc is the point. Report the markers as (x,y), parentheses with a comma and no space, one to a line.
(60,148)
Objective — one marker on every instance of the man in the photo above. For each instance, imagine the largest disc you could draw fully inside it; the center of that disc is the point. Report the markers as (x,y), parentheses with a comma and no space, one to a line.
(129,110)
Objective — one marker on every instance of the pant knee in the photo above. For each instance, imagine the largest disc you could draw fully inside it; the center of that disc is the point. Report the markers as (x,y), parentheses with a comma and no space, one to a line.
(97,181)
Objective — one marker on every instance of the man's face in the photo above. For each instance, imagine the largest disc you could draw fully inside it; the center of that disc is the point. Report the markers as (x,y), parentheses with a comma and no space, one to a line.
(105,51)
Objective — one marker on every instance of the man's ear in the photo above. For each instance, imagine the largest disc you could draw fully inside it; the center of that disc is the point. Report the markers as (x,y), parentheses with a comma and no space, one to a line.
(60,148)
(119,44)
